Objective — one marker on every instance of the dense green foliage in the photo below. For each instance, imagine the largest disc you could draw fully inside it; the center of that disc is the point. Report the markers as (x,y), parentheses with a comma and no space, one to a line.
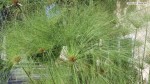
(89,32)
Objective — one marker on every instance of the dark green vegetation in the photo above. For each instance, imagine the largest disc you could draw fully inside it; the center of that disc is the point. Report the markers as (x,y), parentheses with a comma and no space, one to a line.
(89,31)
